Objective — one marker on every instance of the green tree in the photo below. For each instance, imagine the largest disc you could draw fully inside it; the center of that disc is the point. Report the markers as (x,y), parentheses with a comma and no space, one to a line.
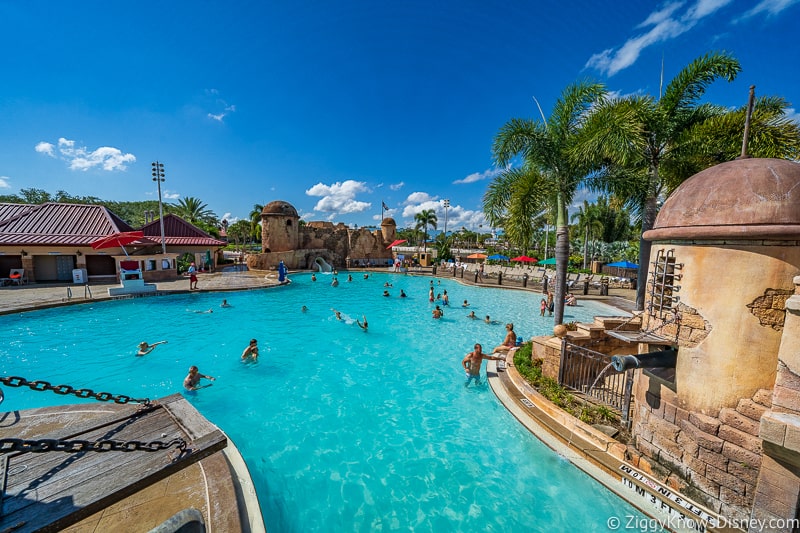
(588,217)
(194,211)
(548,166)
(518,201)
(646,142)
(255,221)
(425,218)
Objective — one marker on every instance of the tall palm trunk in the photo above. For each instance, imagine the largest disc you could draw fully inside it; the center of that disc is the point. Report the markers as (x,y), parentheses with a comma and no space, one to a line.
(562,258)
(585,246)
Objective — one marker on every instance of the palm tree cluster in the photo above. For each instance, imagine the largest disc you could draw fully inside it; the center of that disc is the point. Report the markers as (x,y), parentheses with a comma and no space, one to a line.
(637,148)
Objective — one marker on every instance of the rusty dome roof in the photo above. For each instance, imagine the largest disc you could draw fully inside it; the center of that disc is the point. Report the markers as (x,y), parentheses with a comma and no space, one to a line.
(279,207)
(738,200)
(388,221)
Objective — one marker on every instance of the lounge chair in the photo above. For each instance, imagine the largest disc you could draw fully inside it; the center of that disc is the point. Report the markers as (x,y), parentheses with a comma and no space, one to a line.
(17,276)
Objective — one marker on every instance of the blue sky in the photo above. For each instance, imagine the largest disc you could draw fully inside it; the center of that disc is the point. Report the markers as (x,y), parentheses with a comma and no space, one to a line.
(336,107)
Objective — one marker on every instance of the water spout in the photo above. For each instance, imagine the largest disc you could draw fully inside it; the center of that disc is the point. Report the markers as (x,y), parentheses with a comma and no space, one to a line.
(661,359)
(600,375)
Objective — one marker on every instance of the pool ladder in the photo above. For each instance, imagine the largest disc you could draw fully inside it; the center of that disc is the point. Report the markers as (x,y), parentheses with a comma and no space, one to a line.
(87,293)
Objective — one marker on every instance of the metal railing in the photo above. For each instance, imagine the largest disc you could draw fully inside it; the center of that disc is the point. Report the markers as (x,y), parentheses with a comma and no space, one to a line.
(87,293)
(591,374)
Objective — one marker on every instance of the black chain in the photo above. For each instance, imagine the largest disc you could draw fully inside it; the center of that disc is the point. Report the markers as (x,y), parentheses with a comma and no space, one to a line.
(77,446)
(15,381)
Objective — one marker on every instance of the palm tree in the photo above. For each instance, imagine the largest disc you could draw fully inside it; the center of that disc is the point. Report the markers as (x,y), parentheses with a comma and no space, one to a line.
(194,211)
(518,201)
(425,218)
(588,218)
(255,221)
(647,142)
(548,176)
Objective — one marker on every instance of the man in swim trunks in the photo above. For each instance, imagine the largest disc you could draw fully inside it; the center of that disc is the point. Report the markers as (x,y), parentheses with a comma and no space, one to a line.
(251,352)
(472,364)
(191,381)
(509,342)
(437,313)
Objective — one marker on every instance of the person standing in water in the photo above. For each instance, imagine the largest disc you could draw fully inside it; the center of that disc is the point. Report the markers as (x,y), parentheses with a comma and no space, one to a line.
(472,364)
(251,352)
(193,378)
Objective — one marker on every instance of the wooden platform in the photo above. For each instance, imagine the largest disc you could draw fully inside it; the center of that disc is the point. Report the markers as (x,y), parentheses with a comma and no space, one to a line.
(49,491)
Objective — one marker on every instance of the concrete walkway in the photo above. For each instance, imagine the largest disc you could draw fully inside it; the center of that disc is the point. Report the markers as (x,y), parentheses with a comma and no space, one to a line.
(14,299)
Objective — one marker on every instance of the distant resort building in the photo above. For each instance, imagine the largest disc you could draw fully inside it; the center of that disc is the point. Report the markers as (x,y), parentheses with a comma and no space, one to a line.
(52,242)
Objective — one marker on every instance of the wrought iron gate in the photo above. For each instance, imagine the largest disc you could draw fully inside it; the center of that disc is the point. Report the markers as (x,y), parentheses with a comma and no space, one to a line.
(590,373)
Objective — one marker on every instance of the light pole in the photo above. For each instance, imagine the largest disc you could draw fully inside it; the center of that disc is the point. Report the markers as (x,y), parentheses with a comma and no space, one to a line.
(446,206)
(158,177)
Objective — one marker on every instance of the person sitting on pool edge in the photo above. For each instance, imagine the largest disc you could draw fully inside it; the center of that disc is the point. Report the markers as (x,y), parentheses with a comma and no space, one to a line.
(472,364)
(251,352)
(145,348)
(509,342)
(190,381)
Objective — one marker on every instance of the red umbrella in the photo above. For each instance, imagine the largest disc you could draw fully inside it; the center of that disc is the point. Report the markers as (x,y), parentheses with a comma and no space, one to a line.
(120,239)
(525,259)
(395,243)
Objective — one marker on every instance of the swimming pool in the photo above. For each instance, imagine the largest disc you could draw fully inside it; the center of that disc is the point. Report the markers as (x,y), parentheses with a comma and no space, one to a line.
(342,430)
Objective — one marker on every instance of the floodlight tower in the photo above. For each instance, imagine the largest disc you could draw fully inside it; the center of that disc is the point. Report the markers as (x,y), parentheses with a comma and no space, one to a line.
(158,177)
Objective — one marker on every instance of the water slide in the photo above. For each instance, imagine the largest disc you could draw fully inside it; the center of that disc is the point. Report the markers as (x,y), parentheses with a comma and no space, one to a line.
(323,265)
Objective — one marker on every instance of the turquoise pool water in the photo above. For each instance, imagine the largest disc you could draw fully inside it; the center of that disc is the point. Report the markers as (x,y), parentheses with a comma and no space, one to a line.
(342,430)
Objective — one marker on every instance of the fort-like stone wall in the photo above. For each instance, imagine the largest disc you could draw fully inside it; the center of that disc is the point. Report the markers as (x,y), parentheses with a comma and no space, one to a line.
(714,458)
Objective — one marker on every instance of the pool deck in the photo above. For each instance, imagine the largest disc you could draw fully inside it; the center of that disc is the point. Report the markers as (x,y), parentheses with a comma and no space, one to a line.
(151,504)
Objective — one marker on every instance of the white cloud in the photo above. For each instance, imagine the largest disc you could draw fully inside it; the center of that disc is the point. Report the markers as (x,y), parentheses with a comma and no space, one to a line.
(397,186)
(457,216)
(167,195)
(219,103)
(770,7)
(105,157)
(4,182)
(479,176)
(666,24)
(339,197)
(230,218)
(45,148)
(793,114)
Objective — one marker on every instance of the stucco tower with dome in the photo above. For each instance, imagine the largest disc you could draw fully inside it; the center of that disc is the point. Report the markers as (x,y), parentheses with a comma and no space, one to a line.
(724,289)
(305,245)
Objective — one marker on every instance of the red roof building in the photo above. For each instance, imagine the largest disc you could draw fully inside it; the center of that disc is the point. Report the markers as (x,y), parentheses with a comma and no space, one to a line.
(52,241)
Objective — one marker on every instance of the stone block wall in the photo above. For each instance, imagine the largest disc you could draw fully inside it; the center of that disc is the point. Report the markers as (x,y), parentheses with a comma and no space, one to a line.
(714,458)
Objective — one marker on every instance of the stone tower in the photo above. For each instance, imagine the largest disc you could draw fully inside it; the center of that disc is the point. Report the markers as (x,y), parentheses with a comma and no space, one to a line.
(388,230)
(279,227)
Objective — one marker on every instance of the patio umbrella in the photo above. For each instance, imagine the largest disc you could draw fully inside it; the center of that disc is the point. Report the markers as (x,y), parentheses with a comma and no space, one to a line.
(551,261)
(525,259)
(119,240)
(624,264)
(395,243)
(476,256)
(498,257)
